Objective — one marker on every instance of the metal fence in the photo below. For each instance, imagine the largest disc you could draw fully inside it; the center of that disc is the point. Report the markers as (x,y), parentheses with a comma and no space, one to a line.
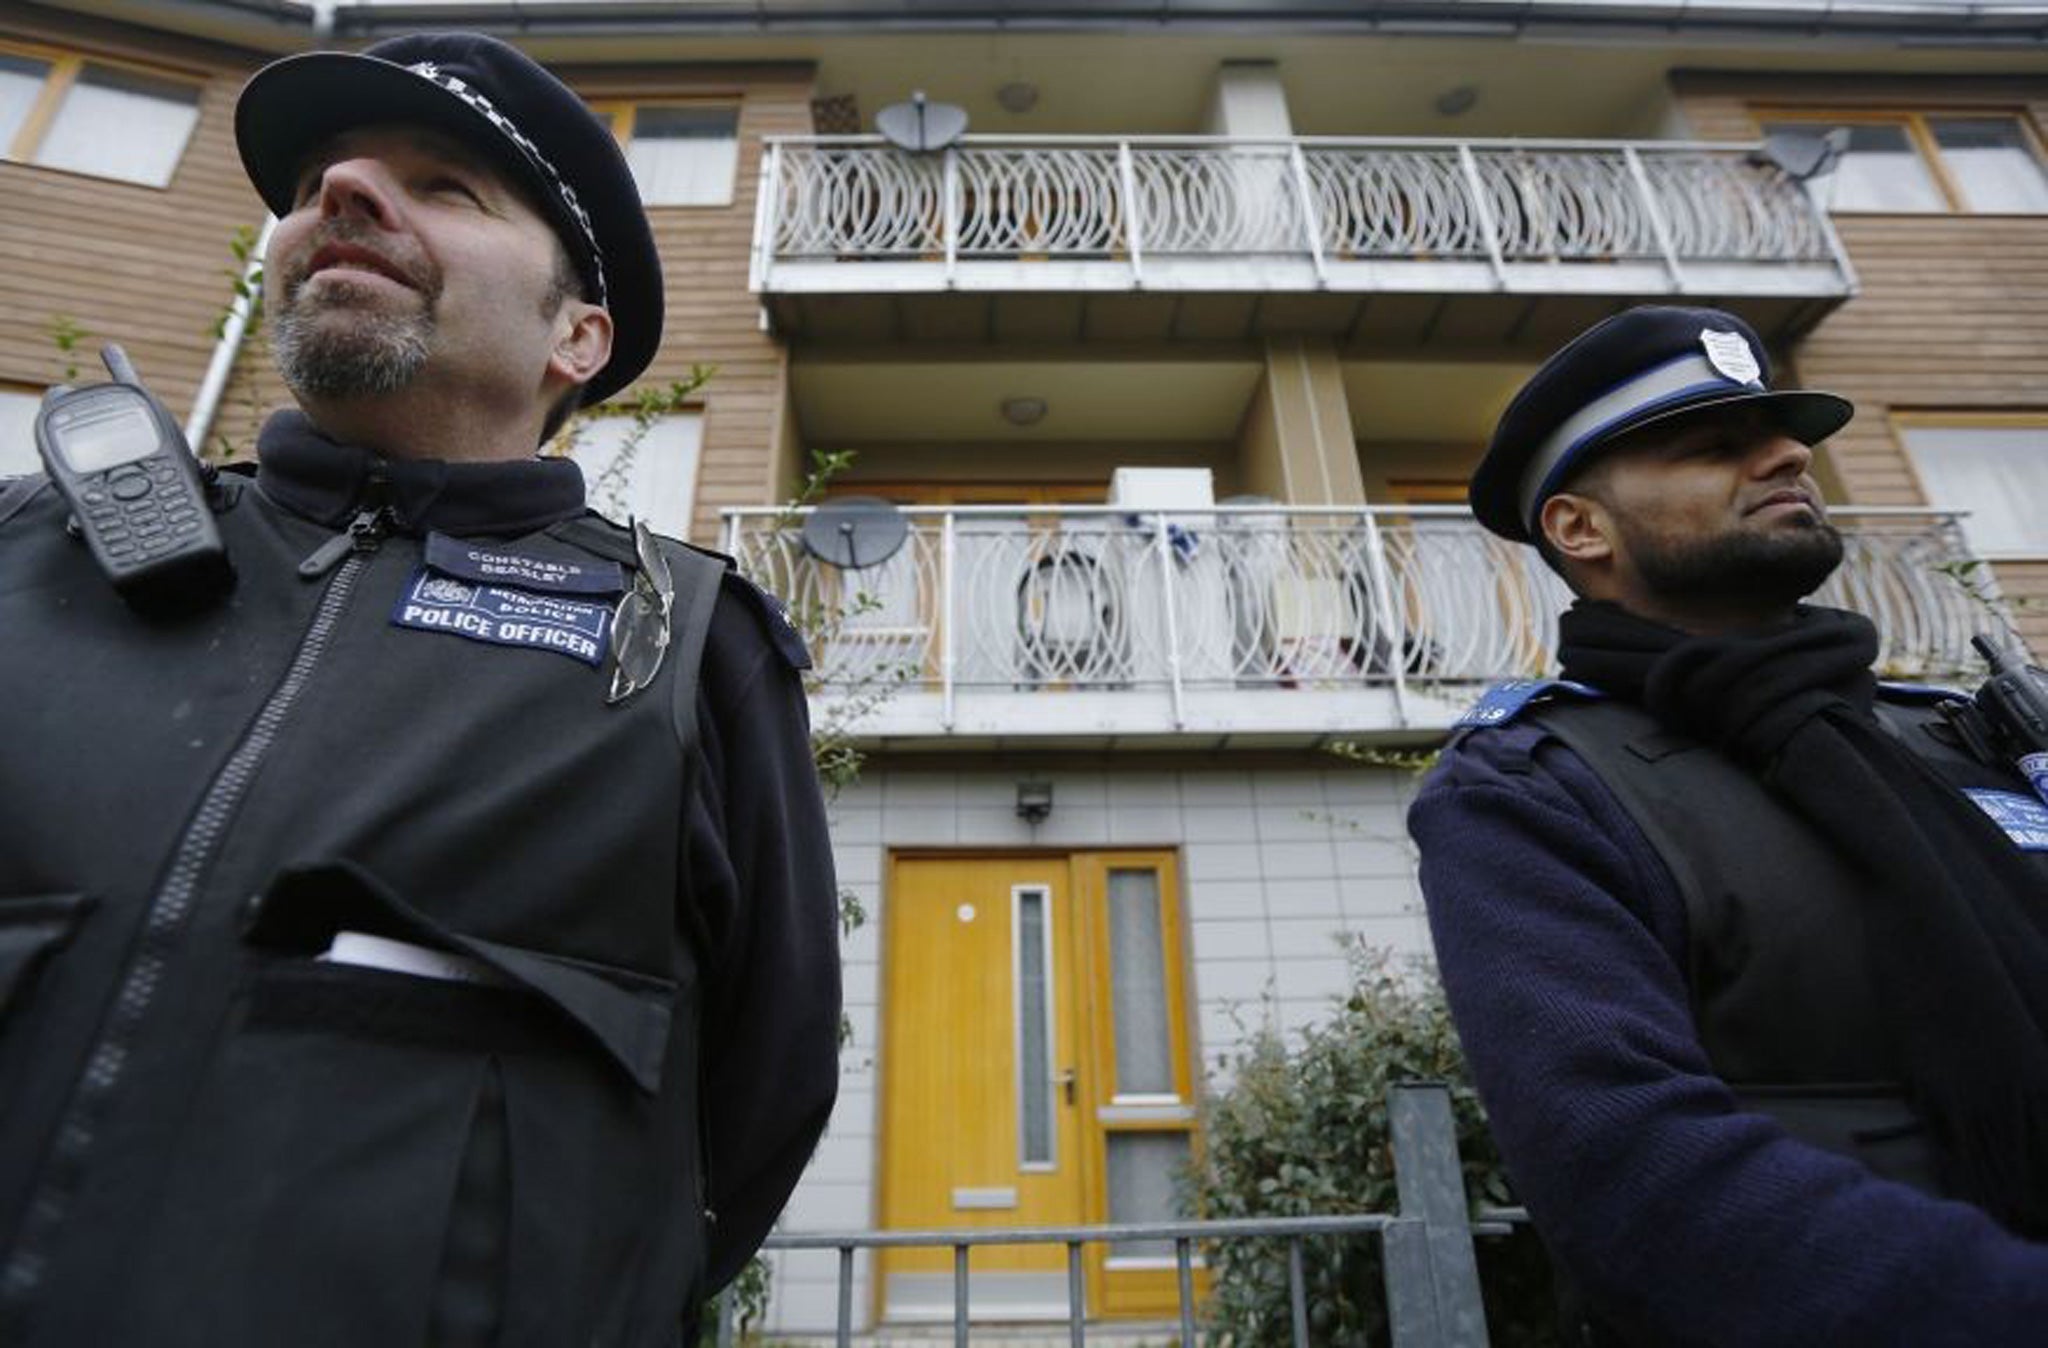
(1095,598)
(1323,200)
(1430,1271)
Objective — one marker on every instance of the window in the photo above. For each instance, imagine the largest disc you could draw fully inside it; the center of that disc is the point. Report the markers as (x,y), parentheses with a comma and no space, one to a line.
(681,154)
(111,121)
(1995,468)
(1924,163)
(18,431)
(658,483)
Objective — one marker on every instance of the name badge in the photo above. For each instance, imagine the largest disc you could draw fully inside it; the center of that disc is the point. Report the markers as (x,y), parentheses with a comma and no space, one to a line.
(484,564)
(2024,819)
(504,616)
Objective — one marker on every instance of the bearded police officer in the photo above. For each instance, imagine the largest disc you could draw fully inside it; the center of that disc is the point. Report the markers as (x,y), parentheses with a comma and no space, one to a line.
(1749,954)
(431,938)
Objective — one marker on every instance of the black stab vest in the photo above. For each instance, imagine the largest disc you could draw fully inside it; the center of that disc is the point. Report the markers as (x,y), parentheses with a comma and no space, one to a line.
(307,1152)
(1782,994)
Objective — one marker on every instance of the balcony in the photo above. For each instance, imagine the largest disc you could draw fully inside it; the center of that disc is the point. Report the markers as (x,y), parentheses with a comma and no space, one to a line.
(1254,626)
(1496,226)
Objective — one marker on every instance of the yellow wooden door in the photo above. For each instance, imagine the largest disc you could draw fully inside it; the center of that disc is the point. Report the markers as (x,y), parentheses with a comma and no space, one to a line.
(1138,1079)
(1036,1070)
(980,1103)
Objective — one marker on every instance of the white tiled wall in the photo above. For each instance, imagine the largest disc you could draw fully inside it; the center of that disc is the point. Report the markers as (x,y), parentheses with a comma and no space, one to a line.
(1275,864)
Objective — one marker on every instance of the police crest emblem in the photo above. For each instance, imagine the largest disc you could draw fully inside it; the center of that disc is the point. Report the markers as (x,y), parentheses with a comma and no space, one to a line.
(1729,354)
(444,590)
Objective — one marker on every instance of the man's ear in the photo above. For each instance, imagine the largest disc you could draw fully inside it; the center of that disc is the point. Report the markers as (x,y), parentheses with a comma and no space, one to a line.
(1578,528)
(583,342)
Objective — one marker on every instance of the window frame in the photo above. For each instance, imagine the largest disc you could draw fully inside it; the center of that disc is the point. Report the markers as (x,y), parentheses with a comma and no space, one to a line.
(1918,125)
(617,113)
(66,65)
(1936,418)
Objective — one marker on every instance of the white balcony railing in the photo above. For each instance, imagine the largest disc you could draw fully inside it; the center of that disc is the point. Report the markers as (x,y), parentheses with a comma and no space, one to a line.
(852,213)
(1003,620)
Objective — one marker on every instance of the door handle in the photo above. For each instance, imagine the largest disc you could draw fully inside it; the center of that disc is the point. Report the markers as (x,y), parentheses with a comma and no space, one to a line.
(1065,1081)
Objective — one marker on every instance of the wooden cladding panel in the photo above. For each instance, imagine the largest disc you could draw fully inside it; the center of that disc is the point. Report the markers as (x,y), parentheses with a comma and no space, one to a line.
(2028,583)
(1953,310)
(142,266)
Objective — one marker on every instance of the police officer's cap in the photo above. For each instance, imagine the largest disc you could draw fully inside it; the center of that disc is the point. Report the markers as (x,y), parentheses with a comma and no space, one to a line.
(1645,365)
(497,100)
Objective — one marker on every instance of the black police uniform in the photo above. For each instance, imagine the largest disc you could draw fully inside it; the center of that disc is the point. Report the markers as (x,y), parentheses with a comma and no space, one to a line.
(1656,953)
(212,1135)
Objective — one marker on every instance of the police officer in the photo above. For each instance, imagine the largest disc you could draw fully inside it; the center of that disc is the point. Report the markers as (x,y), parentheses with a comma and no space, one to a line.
(1749,956)
(430,939)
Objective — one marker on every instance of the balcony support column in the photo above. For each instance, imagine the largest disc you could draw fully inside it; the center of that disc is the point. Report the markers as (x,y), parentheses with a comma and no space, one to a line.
(1296,444)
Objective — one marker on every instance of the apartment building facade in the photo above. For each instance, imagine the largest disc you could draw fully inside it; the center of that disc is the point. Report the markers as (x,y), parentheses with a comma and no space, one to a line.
(1172,369)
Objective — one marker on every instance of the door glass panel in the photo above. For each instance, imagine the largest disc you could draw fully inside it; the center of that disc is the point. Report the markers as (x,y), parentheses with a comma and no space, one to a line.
(1137,980)
(1034,1031)
(1142,1172)
(1991,162)
(21,79)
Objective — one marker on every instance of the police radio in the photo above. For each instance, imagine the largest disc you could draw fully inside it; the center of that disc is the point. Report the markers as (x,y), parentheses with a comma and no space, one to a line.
(2014,706)
(133,486)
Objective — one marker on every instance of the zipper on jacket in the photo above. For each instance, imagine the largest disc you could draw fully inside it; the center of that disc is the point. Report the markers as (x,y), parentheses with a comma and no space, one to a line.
(64,1165)
(363,533)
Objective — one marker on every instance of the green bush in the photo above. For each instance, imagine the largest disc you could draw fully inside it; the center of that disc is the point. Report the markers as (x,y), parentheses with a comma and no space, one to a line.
(1303,1131)
(748,1292)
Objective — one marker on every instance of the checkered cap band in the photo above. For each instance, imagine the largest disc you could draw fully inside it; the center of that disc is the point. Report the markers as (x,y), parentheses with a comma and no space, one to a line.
(427,70)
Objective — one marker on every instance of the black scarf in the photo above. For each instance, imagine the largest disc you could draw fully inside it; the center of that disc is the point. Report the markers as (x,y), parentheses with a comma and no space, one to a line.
(1957,924)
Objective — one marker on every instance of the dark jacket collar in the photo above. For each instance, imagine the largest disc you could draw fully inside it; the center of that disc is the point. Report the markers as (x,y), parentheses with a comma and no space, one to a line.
(324,480)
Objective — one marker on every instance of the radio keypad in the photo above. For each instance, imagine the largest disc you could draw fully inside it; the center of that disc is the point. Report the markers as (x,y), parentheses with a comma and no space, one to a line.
(139,513)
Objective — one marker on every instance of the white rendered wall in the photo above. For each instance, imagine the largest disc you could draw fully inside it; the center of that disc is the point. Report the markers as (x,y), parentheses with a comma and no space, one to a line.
(1274,865)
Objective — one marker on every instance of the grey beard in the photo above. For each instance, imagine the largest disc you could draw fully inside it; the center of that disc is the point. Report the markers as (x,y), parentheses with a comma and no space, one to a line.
(1780,567)
(365,355)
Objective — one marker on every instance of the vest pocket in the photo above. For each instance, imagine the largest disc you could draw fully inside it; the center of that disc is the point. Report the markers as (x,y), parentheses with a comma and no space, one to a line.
(33,927)
(1869,1122)
(363,1159)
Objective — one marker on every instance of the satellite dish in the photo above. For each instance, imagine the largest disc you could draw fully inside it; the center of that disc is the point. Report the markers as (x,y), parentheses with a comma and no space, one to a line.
(854,532)
(1804,157)
(920,126)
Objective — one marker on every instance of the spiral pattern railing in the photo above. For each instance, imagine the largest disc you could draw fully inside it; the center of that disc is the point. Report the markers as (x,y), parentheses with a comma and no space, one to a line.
(1088,598)
(857,198)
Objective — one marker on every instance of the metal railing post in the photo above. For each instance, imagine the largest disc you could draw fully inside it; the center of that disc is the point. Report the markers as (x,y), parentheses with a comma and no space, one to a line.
(1184,1264)
(1431,1189)
(1077,1300)
(960,1296)
(949,559)
(1385,620)
(1297,1293)
(1836,251)
(1487,226)
(950,190)
(1127,177)
(725,1318)
(845,1296)
(1162,539)
(1658,227)
(1311,224)
(1411,1292)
